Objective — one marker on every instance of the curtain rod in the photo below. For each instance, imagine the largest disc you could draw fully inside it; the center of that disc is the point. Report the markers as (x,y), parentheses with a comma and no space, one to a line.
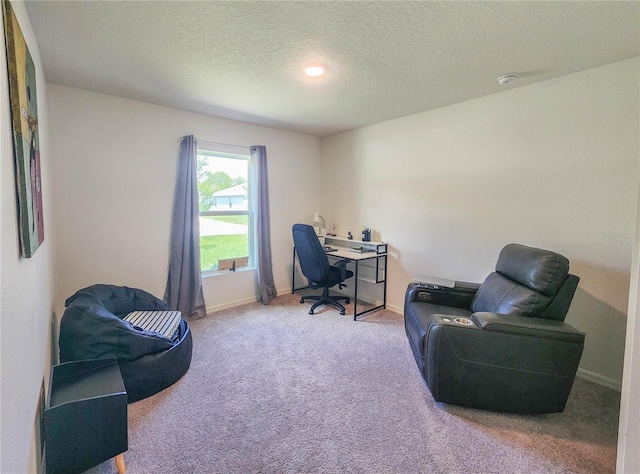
(204,142)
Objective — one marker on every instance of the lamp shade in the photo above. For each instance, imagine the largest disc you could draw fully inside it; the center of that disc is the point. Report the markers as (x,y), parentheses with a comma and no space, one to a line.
(316,217)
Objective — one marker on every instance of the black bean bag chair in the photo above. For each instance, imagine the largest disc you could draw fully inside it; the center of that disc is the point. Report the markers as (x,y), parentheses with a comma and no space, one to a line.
(92,327)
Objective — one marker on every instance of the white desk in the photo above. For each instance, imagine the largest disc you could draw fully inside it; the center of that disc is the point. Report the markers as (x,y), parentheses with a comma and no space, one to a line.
(376,273)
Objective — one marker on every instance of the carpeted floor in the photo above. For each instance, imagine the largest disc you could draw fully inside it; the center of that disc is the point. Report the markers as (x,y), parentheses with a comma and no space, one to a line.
(273,389)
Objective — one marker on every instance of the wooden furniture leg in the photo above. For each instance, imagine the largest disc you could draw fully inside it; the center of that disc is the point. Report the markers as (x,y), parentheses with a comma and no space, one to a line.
(120,463)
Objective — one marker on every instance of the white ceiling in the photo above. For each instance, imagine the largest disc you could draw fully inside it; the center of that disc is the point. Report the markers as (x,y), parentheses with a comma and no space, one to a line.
(243,60)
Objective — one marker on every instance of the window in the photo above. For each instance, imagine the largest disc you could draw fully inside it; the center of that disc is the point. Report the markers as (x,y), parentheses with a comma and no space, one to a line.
(226,213)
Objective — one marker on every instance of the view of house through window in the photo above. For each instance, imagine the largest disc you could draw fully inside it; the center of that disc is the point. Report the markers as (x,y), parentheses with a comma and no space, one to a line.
(225,210)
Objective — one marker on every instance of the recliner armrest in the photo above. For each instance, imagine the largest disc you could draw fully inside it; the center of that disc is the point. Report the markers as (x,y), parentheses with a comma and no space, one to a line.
(460,296)
(527,326)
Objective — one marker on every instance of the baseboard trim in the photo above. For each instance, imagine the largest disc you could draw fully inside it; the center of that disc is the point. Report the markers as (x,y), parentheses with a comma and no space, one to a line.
(600,379)
(240,302)
(396,309)
(230,304)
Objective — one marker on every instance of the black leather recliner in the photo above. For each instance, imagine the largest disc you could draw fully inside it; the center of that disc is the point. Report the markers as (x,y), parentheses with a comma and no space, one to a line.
(502,345)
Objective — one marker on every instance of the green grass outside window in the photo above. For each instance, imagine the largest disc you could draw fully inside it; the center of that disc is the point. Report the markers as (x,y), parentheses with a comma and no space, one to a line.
(218,247)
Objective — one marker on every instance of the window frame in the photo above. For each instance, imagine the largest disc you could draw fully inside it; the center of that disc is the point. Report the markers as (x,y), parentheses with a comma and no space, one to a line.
(239,153)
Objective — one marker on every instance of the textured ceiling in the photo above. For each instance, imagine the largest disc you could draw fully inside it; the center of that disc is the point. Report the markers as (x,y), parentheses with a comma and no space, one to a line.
(243,60)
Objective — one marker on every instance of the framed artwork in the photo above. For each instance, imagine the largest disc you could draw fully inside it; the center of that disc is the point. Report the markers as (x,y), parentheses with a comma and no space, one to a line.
(24,122)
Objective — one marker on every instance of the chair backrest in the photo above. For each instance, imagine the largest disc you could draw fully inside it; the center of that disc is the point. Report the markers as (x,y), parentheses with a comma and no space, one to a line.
(528,282)
(313,259)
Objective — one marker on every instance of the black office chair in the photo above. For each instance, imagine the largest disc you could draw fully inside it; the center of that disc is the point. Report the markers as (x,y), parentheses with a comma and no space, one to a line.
(316,268)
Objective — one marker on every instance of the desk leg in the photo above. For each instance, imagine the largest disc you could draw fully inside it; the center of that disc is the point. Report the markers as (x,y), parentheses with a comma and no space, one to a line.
(120,463)
(293,272)
(384,287)
(355,293)
(293,275)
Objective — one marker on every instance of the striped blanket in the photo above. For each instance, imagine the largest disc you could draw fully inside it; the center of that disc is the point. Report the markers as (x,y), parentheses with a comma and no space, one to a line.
(162,322)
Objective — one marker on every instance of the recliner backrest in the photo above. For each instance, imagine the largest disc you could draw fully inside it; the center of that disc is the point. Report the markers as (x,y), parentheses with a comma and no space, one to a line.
(313,259)
(526,282)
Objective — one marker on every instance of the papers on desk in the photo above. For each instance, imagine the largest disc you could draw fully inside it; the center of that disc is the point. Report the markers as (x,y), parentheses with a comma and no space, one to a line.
(360,250)
(344,250)
(348,249)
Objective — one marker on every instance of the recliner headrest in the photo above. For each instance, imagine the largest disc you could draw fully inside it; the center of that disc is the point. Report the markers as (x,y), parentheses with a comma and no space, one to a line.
(541,270)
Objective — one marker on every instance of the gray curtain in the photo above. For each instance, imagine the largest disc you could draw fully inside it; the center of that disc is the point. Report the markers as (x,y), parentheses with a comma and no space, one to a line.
(266,285)
(184,284)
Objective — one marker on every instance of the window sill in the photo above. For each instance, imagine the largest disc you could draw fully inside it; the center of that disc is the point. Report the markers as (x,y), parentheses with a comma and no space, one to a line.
(215,273)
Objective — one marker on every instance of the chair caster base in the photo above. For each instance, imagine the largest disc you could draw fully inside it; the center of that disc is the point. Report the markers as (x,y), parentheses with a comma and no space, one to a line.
(326,300)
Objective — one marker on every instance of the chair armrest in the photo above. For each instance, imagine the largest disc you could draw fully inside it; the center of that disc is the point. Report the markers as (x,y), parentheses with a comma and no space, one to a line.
(342,264)
(527,326)
(459,296)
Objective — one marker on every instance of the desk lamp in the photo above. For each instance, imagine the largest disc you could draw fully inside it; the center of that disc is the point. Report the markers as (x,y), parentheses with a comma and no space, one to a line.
(316,223)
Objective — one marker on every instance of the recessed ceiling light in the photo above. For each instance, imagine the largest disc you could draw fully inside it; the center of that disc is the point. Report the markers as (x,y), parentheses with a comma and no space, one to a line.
(507,79)
(314,71)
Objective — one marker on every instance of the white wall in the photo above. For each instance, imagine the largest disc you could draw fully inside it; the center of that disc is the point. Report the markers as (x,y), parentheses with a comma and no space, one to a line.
(628,460)
(553,165)
(26,286)
(115,174)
